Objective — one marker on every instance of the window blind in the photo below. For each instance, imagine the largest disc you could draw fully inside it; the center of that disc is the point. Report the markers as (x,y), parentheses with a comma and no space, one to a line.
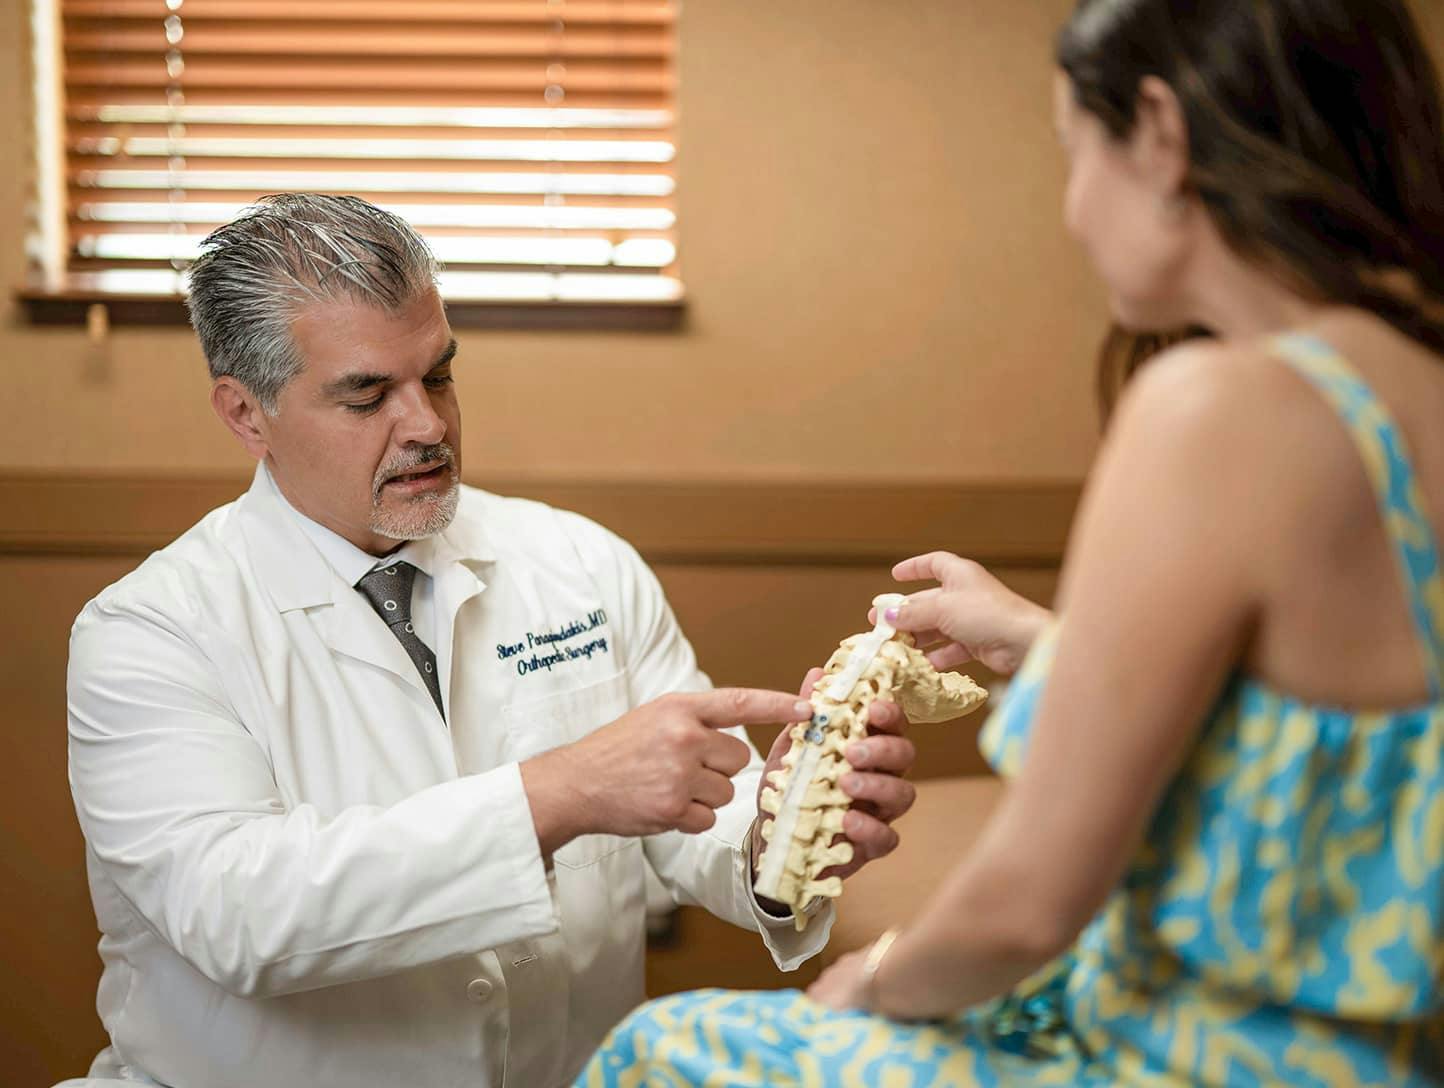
(530,141)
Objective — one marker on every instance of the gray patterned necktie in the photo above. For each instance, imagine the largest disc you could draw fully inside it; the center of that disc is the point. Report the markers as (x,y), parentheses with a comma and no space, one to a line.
(389,591)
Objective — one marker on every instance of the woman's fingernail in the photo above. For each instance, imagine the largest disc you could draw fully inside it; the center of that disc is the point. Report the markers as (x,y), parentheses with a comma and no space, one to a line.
(890,615)
(857,755)
(802,708)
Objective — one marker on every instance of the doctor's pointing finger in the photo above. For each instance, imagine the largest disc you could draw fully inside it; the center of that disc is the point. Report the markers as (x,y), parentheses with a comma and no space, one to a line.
(663,766)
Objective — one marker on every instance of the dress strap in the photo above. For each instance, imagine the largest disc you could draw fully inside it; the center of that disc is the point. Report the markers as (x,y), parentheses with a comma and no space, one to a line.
(1391,475)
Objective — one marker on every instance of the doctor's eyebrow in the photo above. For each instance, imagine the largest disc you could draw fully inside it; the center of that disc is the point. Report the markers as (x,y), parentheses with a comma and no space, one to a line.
(361,380)
(355,382)
(448,353)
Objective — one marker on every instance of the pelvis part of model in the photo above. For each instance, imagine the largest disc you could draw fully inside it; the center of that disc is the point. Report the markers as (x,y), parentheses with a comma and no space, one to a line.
(804,801)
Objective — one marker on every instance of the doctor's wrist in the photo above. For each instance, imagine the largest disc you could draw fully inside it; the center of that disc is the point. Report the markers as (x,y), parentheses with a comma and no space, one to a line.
(561,808)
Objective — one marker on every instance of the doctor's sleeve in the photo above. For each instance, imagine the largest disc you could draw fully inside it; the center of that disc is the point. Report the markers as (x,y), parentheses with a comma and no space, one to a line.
(179,805)
(713,869)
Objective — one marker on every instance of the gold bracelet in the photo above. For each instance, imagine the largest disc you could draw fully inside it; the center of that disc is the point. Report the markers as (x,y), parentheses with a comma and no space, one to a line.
(873,960)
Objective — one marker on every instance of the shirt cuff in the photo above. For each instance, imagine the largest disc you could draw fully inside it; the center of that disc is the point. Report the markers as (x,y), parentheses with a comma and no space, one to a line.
(789,948)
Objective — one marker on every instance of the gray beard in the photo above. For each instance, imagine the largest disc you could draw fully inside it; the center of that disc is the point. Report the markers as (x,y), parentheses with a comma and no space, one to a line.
(418,519)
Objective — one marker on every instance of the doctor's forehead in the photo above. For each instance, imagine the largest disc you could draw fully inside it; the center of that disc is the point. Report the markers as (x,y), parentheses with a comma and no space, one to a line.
(342,337)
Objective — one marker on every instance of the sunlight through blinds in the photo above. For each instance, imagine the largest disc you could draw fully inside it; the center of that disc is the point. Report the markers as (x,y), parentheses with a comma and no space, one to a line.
(530,141)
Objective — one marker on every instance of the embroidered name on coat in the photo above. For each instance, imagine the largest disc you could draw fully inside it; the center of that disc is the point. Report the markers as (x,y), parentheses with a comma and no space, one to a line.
(545,650)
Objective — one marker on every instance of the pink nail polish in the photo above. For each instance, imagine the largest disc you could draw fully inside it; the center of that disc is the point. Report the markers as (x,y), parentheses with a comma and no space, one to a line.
(890,615)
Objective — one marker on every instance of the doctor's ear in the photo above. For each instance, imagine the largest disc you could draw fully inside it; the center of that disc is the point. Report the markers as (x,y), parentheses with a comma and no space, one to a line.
(242,414)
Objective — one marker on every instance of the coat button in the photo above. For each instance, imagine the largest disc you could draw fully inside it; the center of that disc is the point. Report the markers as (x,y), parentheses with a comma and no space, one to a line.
(478,990)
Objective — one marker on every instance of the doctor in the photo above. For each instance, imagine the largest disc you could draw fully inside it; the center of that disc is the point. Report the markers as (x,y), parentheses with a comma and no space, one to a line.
(369,764)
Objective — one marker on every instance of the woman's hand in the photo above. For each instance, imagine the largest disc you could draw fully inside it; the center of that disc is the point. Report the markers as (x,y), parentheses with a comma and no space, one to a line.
(971,616)
(843,985)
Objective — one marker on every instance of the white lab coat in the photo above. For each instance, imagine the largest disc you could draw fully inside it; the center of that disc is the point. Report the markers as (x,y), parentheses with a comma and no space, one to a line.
(303,876)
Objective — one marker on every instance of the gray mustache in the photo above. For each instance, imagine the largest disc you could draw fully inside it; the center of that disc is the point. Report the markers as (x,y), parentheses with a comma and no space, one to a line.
(414,459)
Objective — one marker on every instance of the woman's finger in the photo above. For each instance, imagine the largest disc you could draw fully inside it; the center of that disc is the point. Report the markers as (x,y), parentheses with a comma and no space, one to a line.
(927,640)
(950,656)
(923,611)
(930,592)
(835,986)
(922,568)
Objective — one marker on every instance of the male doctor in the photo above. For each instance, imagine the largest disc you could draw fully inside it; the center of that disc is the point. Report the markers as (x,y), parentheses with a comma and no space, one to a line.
(369,764)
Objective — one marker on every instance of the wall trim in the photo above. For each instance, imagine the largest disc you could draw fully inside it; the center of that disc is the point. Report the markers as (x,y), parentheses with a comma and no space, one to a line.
(74,306)
(704,523)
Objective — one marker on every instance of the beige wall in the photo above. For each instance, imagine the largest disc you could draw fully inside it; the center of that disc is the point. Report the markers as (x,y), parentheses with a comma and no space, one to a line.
(869,230)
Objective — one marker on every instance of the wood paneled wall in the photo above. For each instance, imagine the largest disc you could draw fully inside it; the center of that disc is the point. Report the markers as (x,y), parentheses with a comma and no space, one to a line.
(765,580)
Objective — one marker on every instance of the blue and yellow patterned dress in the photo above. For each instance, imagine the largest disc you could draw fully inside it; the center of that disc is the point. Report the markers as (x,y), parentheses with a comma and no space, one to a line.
(1282,923)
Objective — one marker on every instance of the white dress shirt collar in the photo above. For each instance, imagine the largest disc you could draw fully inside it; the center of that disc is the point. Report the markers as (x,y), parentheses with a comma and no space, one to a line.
(350,563)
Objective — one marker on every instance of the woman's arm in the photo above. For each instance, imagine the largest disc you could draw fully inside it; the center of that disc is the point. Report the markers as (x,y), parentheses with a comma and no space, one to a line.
(1159,596)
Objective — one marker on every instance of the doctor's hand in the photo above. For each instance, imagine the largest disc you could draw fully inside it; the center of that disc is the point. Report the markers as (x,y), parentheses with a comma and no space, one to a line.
(664,766)
(971,616)
(880,794)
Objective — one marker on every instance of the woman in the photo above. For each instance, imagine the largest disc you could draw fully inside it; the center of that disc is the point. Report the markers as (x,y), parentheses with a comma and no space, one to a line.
(1220,857)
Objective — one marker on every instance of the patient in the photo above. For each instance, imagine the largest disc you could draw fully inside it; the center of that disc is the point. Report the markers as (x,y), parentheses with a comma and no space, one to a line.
(1219,859)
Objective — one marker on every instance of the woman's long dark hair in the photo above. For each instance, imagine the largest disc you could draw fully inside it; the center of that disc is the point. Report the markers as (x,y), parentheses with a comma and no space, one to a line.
(1315,135)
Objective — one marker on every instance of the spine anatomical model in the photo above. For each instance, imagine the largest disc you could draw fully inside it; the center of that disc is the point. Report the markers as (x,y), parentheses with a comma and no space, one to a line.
(804,802)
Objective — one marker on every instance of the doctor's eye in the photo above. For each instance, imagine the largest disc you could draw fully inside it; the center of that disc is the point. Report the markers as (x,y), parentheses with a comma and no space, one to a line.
(364,408)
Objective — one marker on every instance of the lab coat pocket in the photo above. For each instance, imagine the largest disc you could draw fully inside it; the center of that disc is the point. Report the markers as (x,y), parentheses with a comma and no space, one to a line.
(538,725)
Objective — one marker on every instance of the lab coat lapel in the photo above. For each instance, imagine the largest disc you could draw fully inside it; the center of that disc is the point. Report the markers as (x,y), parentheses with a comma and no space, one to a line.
(352,627)
(459,578)
(297,577)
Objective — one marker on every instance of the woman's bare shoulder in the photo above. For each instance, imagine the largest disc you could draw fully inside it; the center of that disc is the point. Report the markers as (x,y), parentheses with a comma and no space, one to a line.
(1231,401)
(1204,379)
(1245,433)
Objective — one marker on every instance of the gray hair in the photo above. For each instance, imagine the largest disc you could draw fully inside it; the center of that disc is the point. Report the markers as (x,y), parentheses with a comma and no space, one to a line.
(256,274)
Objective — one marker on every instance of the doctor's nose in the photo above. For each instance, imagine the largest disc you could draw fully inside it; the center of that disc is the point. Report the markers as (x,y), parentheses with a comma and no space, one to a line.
(420,424)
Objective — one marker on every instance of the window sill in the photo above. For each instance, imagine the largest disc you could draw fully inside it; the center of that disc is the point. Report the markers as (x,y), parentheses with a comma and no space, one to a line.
(74,303)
